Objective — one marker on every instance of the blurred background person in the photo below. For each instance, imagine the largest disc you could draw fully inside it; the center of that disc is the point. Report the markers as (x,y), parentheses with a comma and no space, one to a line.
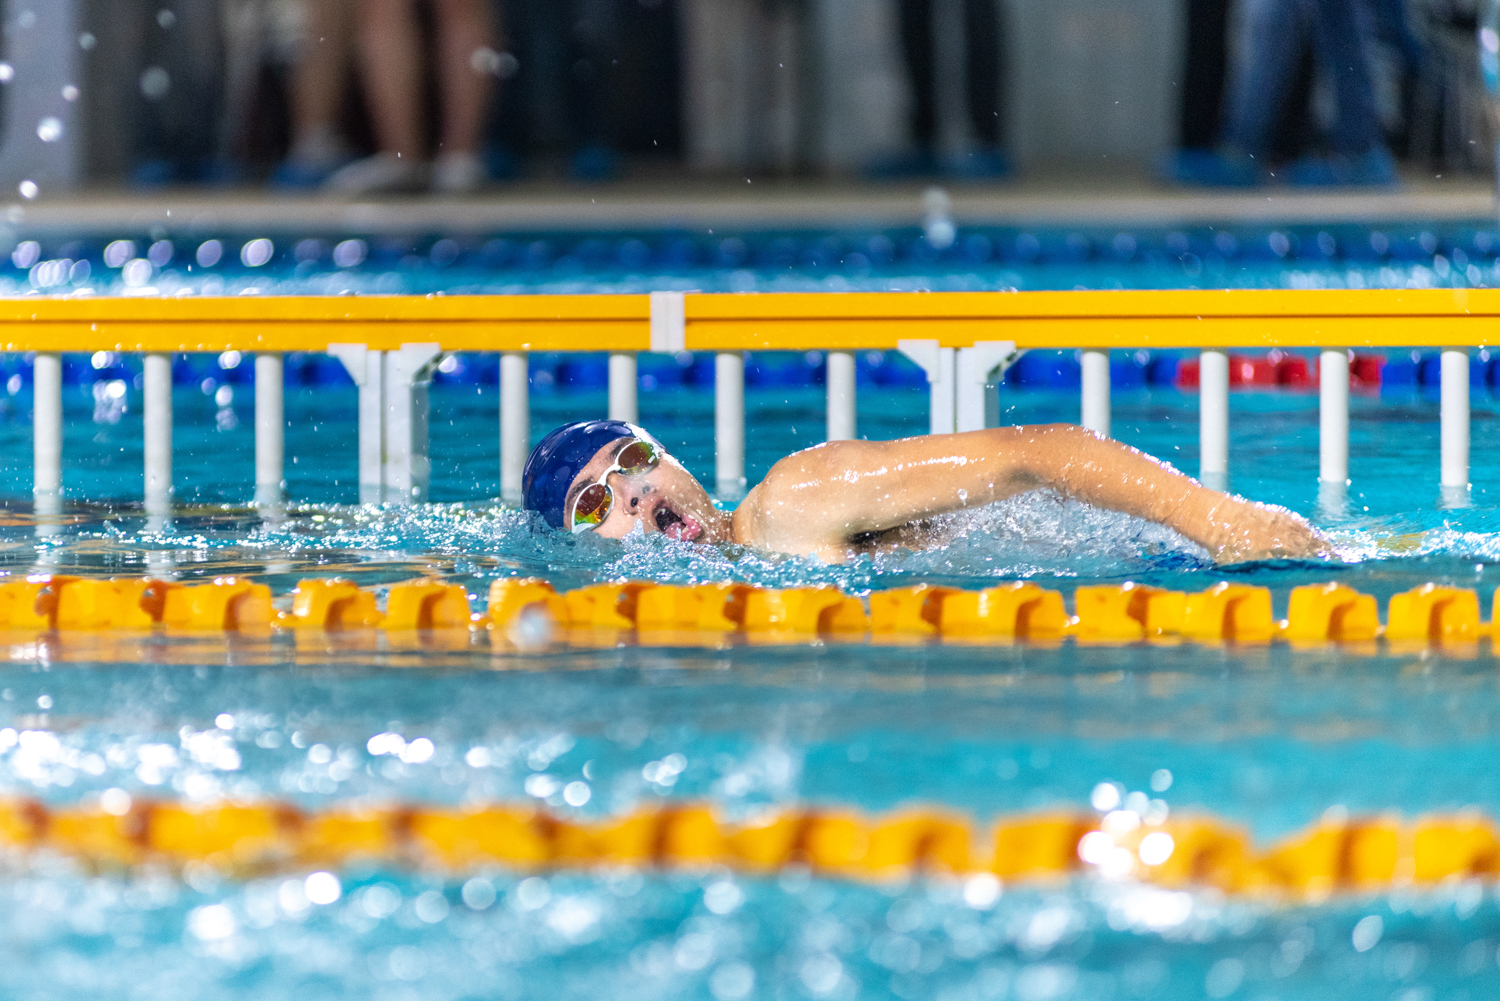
(1275,35)
(170,55)
(318,83)
(388,39)
(952,54)
(570,54)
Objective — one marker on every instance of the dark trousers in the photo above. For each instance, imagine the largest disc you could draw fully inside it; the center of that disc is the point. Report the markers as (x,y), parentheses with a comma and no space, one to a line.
(982,79)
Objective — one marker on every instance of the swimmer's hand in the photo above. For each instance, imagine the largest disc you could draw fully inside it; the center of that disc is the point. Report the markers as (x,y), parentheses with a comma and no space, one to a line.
(1239,531)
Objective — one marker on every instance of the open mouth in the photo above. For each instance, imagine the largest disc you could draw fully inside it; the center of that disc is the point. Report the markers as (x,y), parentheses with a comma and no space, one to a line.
(673,525)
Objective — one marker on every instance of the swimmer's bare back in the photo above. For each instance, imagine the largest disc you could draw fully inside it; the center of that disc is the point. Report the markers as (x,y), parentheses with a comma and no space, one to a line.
(832,499)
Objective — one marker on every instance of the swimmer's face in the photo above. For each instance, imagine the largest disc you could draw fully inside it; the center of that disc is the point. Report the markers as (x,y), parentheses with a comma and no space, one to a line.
(666,499)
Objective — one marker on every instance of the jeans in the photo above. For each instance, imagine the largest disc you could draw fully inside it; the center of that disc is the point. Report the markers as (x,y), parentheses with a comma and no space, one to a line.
(1276,31)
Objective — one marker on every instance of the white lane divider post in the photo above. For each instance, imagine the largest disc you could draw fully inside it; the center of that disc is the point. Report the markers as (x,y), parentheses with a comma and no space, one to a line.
(270,430)
(939,364)
(407,467)
(46,426)
(624,402)
(158,429)
(975,371)
(367,369)
(1333,429)
(1213,418)
(1095,378)
(840,371)
(1455,427)
(729,424)
(515,423)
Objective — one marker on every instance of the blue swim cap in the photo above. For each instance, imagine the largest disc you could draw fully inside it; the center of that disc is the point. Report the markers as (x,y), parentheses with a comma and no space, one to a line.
(555,463)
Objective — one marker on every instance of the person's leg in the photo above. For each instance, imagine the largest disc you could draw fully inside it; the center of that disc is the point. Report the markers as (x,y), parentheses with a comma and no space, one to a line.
(1341,32)
(465,53)
(318,82)
(982,42)
(916,46)
(390,66)
(593,34)
(1273,34)
(193,58)
(1204,75)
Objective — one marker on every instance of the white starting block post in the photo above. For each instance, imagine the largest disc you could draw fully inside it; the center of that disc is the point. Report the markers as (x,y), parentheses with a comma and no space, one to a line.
(394,466)
(960,381)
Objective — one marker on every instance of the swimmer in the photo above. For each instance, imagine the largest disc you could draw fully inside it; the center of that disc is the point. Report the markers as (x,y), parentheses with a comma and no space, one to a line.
(842,498)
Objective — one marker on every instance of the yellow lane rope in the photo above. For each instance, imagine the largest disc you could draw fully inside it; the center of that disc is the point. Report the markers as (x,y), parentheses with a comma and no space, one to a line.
(1338,854)
(1245,318)
(528,613)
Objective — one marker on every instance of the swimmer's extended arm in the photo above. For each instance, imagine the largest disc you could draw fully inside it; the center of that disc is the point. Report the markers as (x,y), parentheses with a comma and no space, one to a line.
(815,501)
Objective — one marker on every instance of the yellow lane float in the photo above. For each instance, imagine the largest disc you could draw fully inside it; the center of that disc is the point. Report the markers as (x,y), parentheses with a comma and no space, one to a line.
(528,613)
(1339,854)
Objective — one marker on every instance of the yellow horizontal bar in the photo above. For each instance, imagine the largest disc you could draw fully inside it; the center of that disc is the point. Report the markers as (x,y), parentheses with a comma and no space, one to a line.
(1241,318)
(1095,304)
(313,335)
(327,309)
(1110,319)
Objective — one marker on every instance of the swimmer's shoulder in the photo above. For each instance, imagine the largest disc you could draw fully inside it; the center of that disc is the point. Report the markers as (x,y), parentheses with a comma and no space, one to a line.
(773,516)
(747,523)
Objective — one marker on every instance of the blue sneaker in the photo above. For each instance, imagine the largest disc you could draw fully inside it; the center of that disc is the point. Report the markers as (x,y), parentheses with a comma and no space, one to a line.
(977,165)
(1375,168)
(1206,168)
(594,163)
(151,174)
(902,166)
(1310,172)
(299,175)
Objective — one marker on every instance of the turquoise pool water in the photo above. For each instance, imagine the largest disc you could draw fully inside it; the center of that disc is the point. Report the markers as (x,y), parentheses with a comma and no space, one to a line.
(1269,739)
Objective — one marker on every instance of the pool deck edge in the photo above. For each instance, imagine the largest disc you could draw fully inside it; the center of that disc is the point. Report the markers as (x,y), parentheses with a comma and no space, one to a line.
(699,207)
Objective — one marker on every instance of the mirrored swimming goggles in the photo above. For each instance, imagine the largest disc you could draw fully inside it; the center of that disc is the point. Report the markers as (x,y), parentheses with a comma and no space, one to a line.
(595,501)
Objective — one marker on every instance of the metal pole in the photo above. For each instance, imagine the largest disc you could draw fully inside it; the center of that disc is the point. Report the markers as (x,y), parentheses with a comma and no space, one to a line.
(729,423)
(1455,426)
(841,390)
(1333,427)
(1095,415)
(46,425)
(270,431)
(623,402)
(515,423)
(158,421)
(1213,419)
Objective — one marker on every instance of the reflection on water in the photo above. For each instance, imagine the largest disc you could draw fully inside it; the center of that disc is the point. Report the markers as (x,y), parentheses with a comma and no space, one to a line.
(712,935)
